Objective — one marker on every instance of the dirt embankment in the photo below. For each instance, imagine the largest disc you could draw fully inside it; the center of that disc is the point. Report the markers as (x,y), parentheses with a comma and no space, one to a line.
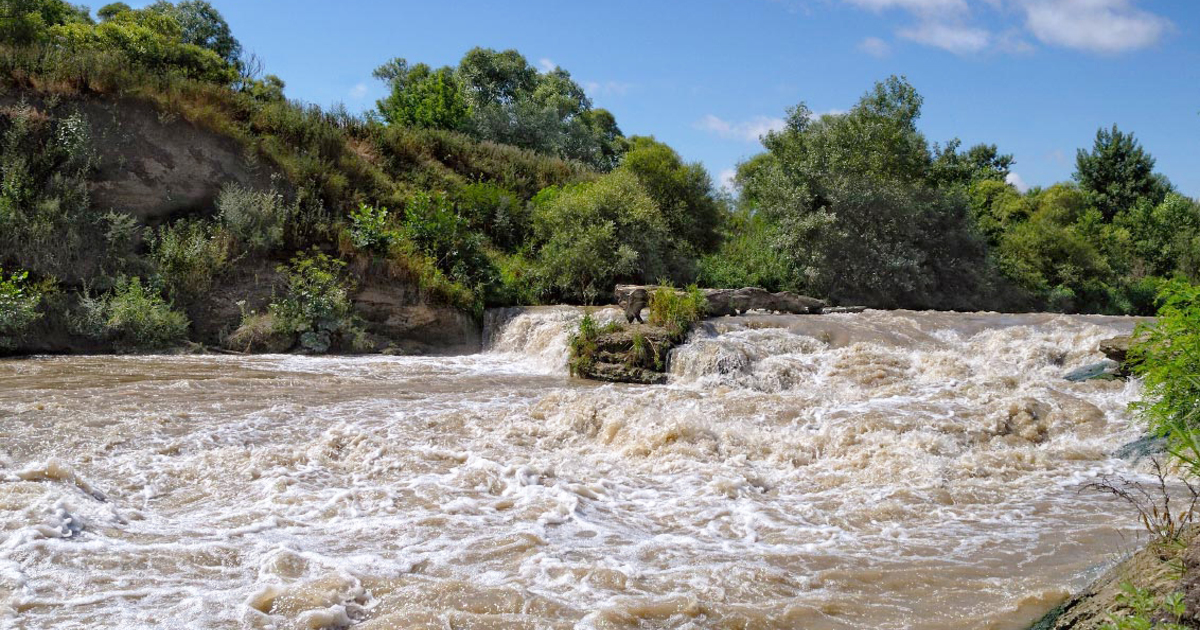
(158,168)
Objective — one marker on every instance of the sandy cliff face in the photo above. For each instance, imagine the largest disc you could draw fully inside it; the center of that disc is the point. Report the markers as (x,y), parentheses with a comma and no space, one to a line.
(159,168)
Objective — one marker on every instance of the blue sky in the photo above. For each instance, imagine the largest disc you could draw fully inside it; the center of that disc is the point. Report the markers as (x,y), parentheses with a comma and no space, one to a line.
(1036,77)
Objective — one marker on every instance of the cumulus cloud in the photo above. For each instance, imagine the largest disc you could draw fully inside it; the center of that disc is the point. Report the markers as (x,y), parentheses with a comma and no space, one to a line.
(959,39)
(1015,179)
(359,91)
(746,131)
(875,47)
(966,27)
(1104,26)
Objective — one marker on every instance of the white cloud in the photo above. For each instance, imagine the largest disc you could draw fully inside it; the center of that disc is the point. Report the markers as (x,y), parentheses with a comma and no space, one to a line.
(875,47)
(1105,26)
(746,131)
(547,65)
(1015,179)
(607,88)
(973,26)
(359,91)
(959,39)
(725,179)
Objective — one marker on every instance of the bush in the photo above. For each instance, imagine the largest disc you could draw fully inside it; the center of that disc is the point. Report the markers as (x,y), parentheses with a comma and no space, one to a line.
(255,219)
(189,255)
(596,234)
(1167,357)
(19,302)
(317,304)
(371,229)
(676,310)
(133,317)
(435,226)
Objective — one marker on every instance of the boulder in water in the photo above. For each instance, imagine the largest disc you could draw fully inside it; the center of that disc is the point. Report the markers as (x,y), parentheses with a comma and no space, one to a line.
(1103,371)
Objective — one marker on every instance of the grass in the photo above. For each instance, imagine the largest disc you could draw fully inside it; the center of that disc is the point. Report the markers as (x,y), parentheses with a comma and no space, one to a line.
(677,311)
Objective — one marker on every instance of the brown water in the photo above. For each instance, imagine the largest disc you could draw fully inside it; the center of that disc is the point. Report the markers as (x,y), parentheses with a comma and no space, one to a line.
(879,470)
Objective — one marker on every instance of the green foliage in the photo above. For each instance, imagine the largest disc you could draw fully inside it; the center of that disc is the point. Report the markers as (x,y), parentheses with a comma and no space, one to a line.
(1144,611)
(422,97)
(594,235)
(684,192)
(256,219)
(19,305)
(500,97)
(371,229)
(676,310)
(1166,356)
(1117,173)
(317,305)
(582,345)
(160,38)
(747,257)
(436,227)
(133,317)
(46,224)
(25,22)
(496,212)
(855,212)
(189,255)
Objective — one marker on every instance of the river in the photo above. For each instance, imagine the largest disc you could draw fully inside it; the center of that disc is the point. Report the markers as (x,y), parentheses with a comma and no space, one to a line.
(873,470)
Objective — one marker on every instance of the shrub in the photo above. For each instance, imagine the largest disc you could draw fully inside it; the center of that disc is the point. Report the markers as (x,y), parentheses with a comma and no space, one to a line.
(133,316)
(189,255)
(434,225)
(1167,357)
(596,234)
(676,310)
(255,219)
(371,229)
(582,345)
(19,302)
(317,304)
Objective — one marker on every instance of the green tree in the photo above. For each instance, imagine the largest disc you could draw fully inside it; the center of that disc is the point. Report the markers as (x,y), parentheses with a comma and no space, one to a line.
(855,211)
(422,97)
(202,25)
(24,22)
(1118,172)
(593,235)
(683,192)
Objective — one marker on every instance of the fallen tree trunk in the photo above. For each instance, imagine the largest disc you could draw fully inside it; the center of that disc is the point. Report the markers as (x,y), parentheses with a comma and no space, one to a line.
(723,302)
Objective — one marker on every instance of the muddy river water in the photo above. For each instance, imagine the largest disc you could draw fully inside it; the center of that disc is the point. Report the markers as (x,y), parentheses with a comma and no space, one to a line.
(873,470)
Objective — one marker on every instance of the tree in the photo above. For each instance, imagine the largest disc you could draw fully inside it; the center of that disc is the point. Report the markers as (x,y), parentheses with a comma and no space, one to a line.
(1118,172)
(422,97)
(683,192)
(25,22)
(981,162)
(202,25)
(593,235)
(108,11)
(855,211)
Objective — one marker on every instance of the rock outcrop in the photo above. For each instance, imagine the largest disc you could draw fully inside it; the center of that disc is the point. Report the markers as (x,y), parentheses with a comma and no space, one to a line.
(722,302)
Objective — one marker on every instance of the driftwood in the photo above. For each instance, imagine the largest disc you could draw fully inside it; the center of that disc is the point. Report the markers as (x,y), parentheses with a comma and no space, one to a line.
(723,302)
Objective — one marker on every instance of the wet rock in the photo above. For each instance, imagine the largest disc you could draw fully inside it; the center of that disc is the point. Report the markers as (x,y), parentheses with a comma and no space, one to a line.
(630,354)
(1141,448)
(1103,371)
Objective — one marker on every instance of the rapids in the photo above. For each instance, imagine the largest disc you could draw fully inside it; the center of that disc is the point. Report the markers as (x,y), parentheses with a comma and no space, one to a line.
(873,470)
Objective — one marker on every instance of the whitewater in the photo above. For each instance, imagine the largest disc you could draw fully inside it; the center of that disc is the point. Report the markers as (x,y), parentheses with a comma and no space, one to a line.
(874,470)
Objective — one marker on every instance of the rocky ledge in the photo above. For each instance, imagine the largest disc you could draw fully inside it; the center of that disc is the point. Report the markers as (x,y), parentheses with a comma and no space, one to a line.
(639,353)
(722,302)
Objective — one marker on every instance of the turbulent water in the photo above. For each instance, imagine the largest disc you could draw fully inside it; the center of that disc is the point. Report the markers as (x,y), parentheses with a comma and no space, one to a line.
(874,470)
